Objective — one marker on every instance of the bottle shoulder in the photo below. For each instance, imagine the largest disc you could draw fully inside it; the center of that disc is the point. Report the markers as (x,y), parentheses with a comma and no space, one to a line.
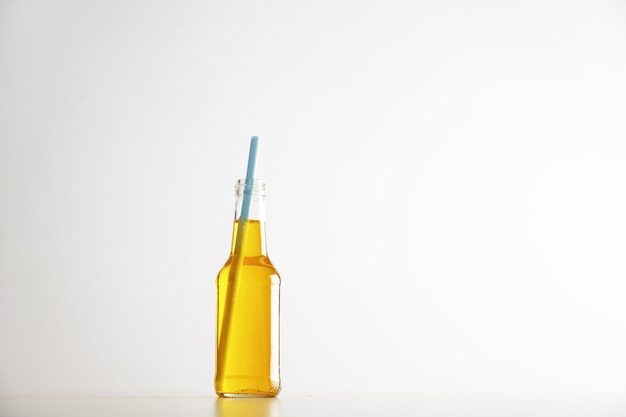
(260,260)
(252,268)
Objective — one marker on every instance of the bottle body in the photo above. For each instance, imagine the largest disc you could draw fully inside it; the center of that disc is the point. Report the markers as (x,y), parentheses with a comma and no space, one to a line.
(248,300)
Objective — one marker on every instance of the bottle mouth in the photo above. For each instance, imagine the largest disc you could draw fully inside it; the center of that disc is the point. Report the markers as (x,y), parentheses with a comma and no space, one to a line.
(258,187)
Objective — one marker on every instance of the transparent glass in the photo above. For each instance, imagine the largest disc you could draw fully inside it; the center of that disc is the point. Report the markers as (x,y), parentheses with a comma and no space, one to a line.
(248,308)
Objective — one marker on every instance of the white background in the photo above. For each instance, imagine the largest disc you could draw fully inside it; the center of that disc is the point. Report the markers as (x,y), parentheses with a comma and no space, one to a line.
(446,191)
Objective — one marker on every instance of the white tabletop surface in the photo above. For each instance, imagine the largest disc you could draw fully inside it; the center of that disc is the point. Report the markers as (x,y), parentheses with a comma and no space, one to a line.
(325,404)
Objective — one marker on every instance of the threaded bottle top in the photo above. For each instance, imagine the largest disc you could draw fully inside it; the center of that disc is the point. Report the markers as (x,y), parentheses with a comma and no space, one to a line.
(258,187)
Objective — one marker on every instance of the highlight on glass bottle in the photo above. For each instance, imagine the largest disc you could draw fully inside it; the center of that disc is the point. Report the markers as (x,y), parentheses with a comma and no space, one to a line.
(248,297)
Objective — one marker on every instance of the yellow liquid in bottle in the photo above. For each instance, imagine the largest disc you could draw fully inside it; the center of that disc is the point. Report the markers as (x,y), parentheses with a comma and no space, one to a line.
(247,350)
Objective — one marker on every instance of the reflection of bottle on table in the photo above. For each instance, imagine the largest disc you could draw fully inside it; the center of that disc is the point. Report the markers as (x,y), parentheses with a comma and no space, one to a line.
(248,294)
(247,407)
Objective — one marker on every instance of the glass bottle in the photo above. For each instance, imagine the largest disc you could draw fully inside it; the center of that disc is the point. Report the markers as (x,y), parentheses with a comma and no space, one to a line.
(248,296)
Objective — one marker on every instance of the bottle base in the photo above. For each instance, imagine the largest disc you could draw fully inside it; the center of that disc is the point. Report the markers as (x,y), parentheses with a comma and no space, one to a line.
(246,395)
(264,392)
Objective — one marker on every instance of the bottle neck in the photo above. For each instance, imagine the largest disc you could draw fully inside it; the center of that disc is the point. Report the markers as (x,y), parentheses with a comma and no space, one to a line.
(252,228)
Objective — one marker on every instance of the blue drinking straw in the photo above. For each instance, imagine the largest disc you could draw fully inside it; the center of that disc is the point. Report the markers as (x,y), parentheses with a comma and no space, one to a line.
(247,191)
(237,260)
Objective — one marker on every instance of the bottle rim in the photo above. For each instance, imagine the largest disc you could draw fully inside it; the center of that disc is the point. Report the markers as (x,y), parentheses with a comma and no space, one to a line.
(258,186)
